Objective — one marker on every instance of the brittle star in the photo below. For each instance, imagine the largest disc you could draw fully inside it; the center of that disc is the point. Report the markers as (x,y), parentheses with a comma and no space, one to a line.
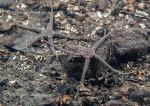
(50,34)
(89,53)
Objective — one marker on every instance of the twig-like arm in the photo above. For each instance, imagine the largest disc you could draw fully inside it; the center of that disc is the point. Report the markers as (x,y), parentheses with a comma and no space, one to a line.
(85,68)
(111,68)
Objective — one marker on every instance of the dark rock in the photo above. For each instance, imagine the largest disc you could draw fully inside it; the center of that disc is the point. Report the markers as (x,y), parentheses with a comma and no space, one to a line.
(101,5)
(109,82)
(128,45)
(82,2)
(49,104)
(139,95)
(74,68)
(116,11)
(6,3)
(3,82)
(33,4)
(117,8)
(4,58)
(63,58)
(89,102)
(17,85)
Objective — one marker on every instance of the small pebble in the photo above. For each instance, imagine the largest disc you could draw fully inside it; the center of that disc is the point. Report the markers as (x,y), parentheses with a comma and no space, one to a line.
(114,103)
(142,25)
(9,17)
(76,8)
(121,15)
(11,83)
(141,13)
(23,6)
(126,26)
(129,8)
(141,5)
(99,14)
(25,22)
(6,3)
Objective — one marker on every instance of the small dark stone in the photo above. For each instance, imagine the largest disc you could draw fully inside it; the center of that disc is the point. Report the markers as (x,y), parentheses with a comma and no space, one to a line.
(74,68)
(82,2)
(63,8)
(3,82)
(139,95)
(35,6)
(70,14)
(89,102)
(115,12)
(63,58)
(101,5)
(128,45)
(109,82)
(17,85)
(6,3)
(4,58)
(101,31)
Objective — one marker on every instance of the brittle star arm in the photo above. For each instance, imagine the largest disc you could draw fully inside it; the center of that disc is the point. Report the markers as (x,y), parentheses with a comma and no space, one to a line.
(49,31)
(55,35)
(97,44)
(85,68)
(106,64)
(74,37)
(61,49)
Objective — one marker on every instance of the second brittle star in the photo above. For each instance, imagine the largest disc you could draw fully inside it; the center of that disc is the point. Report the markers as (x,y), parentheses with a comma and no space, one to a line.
(88,54)
(49,33)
